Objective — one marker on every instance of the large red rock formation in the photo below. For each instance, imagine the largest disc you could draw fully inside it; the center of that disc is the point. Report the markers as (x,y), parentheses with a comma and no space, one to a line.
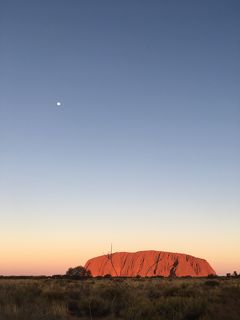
(149,263)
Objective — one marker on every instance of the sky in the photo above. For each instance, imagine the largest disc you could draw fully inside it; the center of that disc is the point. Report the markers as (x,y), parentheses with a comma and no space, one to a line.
(144,151)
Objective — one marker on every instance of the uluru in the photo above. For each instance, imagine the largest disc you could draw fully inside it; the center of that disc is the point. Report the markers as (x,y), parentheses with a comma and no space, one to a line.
(148,264)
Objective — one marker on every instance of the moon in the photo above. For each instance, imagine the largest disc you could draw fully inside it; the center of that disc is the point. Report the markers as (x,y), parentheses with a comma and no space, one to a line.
(59,104)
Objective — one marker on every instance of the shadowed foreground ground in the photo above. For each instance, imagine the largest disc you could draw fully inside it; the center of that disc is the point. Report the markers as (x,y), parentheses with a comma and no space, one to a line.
(130,299)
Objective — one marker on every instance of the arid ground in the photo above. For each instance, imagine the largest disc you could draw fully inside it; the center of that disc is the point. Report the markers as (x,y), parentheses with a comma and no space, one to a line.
(128,299)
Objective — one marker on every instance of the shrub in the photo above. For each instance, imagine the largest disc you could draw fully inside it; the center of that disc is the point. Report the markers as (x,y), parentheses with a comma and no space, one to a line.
(181,308)
(78,272)
(211,283)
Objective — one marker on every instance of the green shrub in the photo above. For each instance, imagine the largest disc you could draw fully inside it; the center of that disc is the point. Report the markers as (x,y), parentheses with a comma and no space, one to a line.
(211,283)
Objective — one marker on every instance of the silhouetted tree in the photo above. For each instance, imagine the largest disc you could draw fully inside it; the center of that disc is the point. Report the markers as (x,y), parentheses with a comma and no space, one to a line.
(78,272)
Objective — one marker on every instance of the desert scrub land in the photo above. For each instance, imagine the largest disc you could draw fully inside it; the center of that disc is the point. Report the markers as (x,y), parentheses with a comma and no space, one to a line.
(127,299)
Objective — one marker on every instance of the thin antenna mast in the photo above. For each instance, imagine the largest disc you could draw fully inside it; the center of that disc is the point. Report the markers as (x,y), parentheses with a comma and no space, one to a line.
(109,257)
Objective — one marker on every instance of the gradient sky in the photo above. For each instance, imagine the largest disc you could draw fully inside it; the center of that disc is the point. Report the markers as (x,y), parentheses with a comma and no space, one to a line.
(144,151)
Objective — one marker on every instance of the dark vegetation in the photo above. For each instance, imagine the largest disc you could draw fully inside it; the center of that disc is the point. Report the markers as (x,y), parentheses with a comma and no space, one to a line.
(78,272)
(105,298)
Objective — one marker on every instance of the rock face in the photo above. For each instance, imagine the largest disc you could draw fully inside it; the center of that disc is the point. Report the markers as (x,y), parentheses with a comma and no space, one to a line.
(149,263)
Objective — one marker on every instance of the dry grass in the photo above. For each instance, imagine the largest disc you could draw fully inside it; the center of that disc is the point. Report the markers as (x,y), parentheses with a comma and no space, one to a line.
(128,299)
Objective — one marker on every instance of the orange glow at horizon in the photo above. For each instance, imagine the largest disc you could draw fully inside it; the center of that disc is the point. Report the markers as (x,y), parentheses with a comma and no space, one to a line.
(45,249)
(52,262)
